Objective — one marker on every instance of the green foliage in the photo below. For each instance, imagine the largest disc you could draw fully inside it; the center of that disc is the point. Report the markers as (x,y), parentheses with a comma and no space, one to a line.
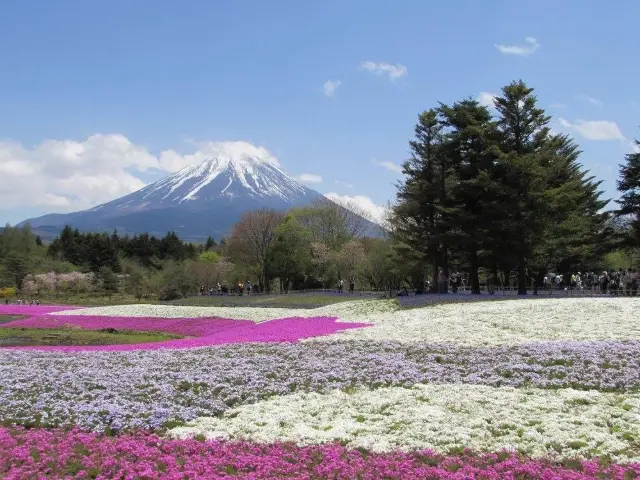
(92,251)
(136,281)
(169,292)
(289,256)
(499,193)
(629,202)
(76,336)
(7,292)
(109,281)
(209,256)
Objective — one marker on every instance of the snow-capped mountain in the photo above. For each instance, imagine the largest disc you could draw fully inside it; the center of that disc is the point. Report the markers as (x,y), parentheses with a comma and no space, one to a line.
(195,202)
(220,179)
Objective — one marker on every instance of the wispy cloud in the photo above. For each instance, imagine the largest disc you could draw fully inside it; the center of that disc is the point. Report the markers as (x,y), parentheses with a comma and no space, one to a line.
(486,99)
(343,184)
(309,178)
(330,86)
(593,101)
(380,68)
(594,129)
(393,167)
(529,46)
(558,105)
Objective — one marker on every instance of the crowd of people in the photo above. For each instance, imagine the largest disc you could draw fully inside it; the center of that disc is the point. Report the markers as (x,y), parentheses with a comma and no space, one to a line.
(23,302)
(620,282)
(222,289)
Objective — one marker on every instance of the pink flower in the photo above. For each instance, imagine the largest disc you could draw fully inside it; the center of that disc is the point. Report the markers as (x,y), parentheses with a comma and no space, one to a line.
(198,332)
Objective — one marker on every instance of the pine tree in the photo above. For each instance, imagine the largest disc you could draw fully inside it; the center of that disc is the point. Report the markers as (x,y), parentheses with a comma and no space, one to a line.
(522,170)
(417,219)
(576,231)
(210,244)
(470,148)
(629,186)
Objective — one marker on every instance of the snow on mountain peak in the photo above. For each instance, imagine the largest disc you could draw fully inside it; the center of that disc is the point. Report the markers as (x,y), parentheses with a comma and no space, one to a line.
(232,174)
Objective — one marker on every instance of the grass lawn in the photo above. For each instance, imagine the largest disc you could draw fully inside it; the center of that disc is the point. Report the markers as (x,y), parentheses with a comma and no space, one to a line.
(292,300)
(10,337)
(9,318)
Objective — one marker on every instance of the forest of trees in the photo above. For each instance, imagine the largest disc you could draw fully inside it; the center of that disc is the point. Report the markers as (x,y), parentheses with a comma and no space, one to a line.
(492,192)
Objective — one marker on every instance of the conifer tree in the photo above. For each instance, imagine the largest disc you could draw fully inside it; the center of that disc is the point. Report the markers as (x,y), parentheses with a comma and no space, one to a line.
(417,218)
(629,186)
(470,146)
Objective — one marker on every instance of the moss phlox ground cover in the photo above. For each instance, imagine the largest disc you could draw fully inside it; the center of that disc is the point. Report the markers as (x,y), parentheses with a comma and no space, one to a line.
(544,388)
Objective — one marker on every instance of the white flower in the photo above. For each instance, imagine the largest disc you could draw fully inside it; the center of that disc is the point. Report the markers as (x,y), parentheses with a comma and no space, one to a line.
(440,417)
(477,323)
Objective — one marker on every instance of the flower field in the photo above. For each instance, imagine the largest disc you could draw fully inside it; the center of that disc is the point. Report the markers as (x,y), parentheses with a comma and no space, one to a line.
(544,388)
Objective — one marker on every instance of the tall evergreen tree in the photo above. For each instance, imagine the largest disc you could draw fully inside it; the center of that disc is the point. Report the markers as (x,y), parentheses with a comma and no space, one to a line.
(575,232)
(417,218)
(629,186)
(523,170)
(470,146)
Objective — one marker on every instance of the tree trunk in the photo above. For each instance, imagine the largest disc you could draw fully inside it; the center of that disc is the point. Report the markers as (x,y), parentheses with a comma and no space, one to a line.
(494,275)
(434,276)
(474,279)
(506,273)
(522,275)
(445,267)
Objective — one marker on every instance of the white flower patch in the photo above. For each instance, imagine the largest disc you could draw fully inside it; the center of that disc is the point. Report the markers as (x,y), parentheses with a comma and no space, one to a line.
(564,423)
(178,311)
(346,311)
(507,322)
(475,324)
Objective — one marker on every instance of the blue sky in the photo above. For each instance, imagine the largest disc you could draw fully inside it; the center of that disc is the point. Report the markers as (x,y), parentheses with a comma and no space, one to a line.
(91,93)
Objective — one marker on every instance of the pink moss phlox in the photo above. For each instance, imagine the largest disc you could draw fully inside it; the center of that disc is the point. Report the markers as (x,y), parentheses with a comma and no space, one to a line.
(200,332)
(40,453)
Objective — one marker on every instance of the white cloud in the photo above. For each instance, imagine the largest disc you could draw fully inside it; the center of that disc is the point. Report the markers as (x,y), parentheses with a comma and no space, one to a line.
(309,178)
(393,167)
(530,46)
(594,129)
(377,213)
(172,161)
(558,105)
(69,175)
(380,68)
(634,147)
(330,86)
(486,99)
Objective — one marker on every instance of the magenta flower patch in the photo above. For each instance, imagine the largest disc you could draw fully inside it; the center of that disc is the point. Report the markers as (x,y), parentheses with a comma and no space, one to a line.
(198,332)
(41,453)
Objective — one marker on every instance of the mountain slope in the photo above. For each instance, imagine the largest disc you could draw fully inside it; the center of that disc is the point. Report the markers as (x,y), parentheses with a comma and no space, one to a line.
(195,202)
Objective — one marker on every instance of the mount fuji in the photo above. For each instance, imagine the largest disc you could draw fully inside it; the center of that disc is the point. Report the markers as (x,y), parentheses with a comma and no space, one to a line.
(195,202)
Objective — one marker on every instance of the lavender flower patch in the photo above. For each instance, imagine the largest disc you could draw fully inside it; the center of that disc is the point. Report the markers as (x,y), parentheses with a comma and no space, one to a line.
(150,389)
(425,300)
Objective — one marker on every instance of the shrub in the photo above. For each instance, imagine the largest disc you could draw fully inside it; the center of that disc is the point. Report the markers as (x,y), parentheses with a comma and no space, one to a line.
(169,292)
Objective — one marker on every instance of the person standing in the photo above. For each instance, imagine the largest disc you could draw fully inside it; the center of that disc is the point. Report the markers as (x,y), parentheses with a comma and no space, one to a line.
(442,282)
